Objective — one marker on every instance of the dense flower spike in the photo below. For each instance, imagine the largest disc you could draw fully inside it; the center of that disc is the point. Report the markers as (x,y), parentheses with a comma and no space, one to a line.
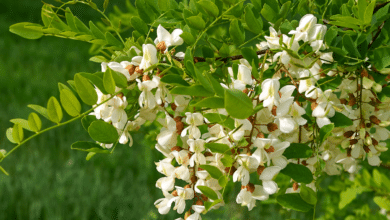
(288,108)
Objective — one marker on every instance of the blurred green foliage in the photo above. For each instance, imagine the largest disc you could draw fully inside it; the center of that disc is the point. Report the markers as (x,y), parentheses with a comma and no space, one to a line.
(49,181)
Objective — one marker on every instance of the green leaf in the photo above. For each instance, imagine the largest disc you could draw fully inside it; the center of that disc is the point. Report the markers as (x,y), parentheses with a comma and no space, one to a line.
(209,7)
(377,177)
(85,90)
(41,110)
(70,103)
(88,147)
(81,26)
(96,31)
(213,171)
(325,132)
(188,38)
(219,90)
(196,22)
(227,161)
(95,80)
(268,13)
(250,55)
(9,135)
(211,102)
(223,180)
(382,202)
(330,35)
(350,46)
(382,57)
(108,81)
(24,30)
(236,32)
(349,195)
(208,192)
(284,9)
(113,41)
(293,201)
(202,78)
(54,110)
(340,120)
(105,4)
(298,150)
(362,5)
(17,133)
(103,132)
(87,120)
(145,12)
(21,122)
(234,98)
(308,195)
(368,13)
(34,122)
(50,19)
(174,80)
(298,172)
(139,25)
(220,119)
(208,205)
(218,148)
(70,20)
(194,90)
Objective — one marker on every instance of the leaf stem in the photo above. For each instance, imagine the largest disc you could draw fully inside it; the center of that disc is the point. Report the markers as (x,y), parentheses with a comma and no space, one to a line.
(56,126)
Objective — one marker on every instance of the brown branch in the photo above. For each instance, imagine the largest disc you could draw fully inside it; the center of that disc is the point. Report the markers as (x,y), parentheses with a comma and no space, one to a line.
(379,6)
(223,59)
(385,166)
(376,35)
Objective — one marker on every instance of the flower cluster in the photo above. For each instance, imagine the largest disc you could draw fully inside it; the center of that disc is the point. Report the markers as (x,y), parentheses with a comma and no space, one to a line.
(201,154)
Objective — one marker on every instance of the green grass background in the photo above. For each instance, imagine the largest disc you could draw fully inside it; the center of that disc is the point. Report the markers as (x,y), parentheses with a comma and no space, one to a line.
(50,181)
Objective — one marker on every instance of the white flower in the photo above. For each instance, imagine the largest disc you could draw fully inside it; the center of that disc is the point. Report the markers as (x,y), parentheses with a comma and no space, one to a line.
(266,176)
(246,198)
(197,146)
(168,134)
(244,77)
(146,98)
(182,195)
(248,164)
(306,24)
(149,56)
(173,39)
(164,204)
(196,216)
(269,94)
(194,120)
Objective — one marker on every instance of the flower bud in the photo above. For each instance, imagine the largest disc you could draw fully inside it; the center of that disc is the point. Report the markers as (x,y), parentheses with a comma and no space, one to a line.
(187,186)
(179,127)
(161,46)
(131,69)
(343,101)
(362,133)
(366,148)
(353,141)
(304,163)
(260,135)
(208,154)
(273,111)
(348,134)
(138,70)
(260,170)
(295,186)
(272,127)
(145,78)
(381,148)
(364,73)
(270,149)
(313,105)
(199,202)
(230,170)
(174,193)
(194,179)
(250,187)
(173,106)
(375,120)
(374,141)
(176,148)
